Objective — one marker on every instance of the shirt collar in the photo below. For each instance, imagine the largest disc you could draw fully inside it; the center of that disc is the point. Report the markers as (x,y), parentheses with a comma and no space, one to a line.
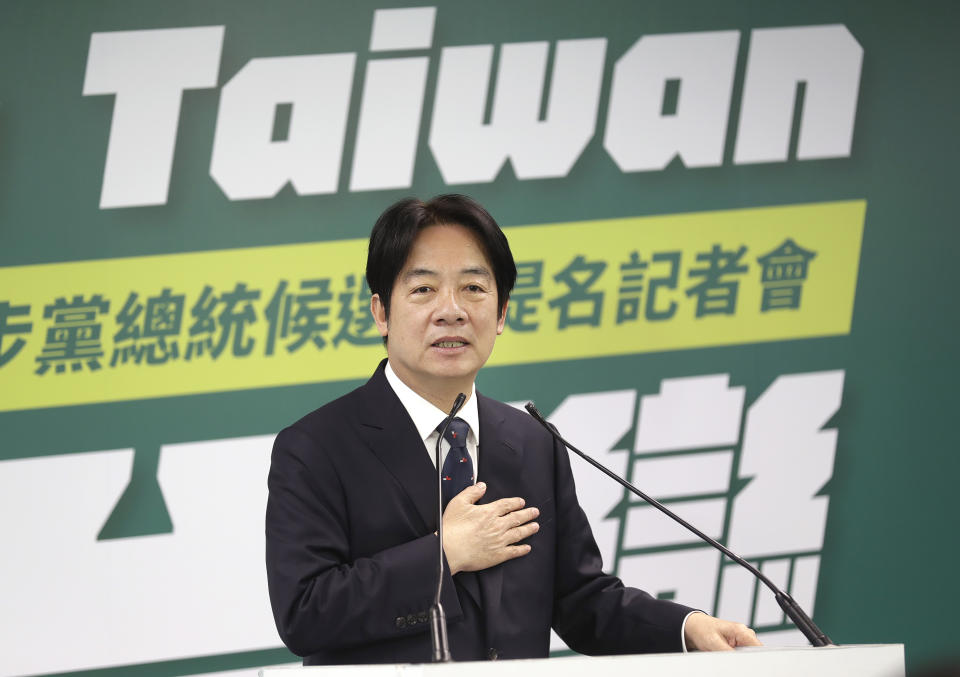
(426,417)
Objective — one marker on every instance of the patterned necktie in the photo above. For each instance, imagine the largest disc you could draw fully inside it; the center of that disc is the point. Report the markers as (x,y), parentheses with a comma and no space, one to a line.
(457,467)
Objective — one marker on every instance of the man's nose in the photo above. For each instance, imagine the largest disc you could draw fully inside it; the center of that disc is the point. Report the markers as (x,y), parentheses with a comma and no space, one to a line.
(449,308)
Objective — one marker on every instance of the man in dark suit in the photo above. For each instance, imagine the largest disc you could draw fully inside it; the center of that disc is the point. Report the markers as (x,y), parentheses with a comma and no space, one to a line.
(351,526)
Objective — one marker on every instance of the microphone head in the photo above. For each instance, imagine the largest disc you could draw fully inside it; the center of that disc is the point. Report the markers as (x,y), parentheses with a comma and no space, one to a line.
(457,403)
(533,411)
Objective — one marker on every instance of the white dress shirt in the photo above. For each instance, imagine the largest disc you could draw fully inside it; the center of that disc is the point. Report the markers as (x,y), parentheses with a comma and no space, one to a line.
(426,417)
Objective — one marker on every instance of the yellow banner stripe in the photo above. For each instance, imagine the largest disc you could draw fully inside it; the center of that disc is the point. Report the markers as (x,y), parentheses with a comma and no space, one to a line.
(179,324)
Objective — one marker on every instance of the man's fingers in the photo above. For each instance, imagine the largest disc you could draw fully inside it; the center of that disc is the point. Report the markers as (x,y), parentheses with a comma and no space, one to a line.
(481,536)
(518,517)
(514,551)
(471,494)
(747,637)
(718,643)
(706,633)
(507,505)
(737,634)
(522,532)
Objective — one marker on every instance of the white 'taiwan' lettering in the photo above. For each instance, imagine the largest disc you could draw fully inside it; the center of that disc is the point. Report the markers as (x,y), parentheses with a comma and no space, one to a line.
(542,129)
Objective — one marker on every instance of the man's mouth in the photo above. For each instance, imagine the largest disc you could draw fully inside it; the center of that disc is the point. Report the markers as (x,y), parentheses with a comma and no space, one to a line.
(449,344)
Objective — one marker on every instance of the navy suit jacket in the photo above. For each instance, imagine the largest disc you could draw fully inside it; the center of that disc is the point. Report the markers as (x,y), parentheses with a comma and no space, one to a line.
(351,550)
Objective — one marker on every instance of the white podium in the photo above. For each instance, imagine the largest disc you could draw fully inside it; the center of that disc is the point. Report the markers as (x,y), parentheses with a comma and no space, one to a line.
(862,660)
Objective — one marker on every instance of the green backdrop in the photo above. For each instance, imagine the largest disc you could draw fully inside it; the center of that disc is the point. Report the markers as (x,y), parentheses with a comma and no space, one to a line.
(887,563)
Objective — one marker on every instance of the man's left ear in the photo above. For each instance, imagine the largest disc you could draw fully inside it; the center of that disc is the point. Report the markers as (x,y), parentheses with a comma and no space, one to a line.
(503,317)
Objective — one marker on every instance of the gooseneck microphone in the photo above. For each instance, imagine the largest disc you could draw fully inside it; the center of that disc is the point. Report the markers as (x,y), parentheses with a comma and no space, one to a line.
(438,619)
(790,607)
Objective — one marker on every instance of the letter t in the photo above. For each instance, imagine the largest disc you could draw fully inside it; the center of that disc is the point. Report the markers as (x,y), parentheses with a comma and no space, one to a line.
(148,71)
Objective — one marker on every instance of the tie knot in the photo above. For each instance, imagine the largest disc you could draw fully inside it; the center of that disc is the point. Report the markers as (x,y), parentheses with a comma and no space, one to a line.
(457,432)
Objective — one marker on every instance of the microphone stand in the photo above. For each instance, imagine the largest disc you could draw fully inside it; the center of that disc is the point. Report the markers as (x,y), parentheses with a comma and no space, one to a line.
(814,635)
(438,619)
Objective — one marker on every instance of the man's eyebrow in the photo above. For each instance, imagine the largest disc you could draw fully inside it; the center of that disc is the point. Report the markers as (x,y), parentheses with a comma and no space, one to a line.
(426,272)
(418,272)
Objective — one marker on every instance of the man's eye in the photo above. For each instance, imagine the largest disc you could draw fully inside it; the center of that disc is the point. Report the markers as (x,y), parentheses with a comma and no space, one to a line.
(474,288)
(421,290)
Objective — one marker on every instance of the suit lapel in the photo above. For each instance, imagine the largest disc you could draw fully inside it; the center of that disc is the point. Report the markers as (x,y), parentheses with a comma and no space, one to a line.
(500,463)
(390,434)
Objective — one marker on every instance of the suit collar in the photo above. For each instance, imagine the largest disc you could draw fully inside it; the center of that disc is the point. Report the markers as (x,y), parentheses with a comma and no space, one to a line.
(390,434)
(425,415)
(500,454)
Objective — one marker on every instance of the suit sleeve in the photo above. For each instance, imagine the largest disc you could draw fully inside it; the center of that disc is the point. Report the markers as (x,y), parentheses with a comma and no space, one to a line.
(594,613)
(323,598)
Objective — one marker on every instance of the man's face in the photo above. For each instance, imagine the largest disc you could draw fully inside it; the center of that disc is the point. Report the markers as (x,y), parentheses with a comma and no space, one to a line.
(443,312)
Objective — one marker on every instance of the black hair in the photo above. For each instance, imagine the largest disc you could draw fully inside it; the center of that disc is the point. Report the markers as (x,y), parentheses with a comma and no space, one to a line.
(397,228)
